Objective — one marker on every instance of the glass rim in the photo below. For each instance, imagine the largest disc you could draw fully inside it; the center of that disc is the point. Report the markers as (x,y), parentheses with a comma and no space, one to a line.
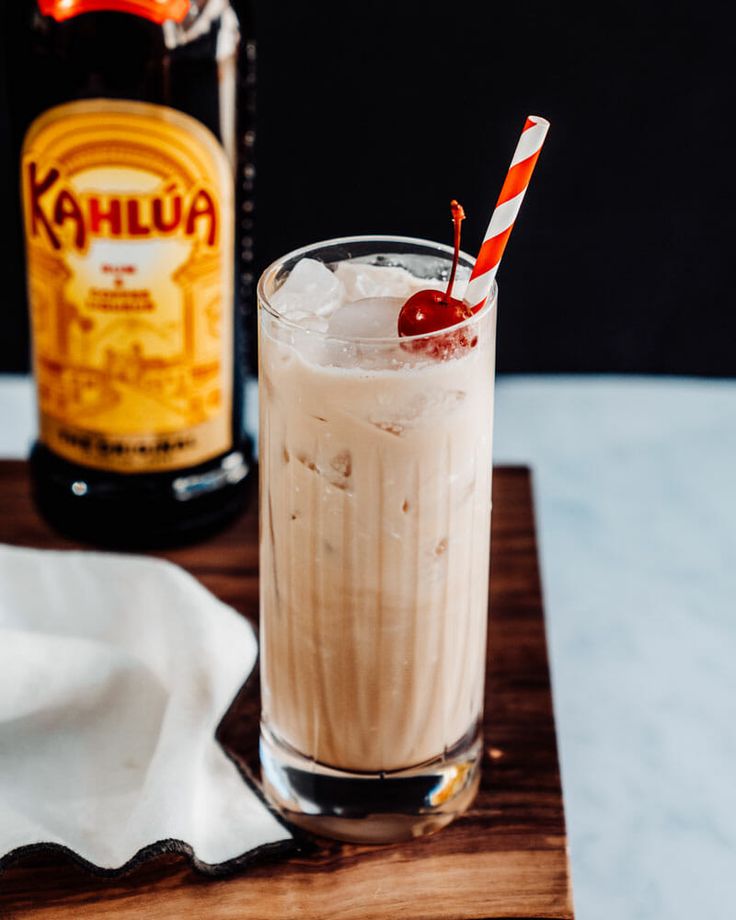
(271,271)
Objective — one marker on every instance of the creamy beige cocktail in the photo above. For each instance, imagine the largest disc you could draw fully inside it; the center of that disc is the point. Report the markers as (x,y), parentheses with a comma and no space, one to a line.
(375,524)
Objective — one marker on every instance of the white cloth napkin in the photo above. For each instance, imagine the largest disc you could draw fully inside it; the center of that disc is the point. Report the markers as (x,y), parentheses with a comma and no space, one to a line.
(114,673)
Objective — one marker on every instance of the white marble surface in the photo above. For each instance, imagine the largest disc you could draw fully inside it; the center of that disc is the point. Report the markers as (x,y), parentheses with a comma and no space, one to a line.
(635,483)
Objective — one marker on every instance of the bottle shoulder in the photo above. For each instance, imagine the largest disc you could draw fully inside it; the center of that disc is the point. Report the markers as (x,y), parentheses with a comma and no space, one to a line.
(115,55)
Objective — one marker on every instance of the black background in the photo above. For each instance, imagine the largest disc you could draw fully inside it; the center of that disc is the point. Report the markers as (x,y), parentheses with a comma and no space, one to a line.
(372,116)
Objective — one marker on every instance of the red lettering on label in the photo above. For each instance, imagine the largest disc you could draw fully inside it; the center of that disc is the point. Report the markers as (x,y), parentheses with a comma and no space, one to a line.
(135,227)
(35,190)
(67,209)
(110,216)
(99,215)
(203,207)
(159,220)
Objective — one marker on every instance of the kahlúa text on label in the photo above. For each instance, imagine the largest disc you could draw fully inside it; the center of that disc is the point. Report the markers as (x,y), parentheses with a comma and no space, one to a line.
(128,220)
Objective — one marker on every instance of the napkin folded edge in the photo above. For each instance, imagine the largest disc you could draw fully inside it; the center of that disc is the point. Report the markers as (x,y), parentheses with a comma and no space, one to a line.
(170,845)
(164,846)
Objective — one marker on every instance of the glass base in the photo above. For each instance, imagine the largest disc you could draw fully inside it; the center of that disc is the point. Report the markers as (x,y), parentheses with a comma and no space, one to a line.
(370,807)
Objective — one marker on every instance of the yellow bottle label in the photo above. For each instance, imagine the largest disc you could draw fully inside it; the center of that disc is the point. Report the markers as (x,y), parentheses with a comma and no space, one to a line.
(129,238)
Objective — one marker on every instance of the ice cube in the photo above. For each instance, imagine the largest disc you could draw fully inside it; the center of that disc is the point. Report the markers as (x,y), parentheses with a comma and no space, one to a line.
(308,320)
(311,289)
(370,318)
(360,280)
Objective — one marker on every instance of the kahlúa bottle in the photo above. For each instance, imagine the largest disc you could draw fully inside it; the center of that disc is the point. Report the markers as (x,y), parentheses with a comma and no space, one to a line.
(128,186)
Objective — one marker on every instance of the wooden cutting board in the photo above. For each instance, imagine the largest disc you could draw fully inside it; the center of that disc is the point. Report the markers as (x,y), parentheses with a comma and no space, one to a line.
(506,858)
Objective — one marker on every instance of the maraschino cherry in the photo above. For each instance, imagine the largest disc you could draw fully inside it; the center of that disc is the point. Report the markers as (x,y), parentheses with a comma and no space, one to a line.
(426,312)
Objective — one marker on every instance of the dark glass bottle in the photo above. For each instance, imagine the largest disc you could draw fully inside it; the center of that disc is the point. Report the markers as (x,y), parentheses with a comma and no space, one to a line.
(136,179)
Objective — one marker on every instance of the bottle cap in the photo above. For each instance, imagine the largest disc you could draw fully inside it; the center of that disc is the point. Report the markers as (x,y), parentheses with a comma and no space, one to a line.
(155,10)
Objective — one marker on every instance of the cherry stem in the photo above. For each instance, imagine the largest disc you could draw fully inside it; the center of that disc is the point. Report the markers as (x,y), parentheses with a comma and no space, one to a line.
(458,216)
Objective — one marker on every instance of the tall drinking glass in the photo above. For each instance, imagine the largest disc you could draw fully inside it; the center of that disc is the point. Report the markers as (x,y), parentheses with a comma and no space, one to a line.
(375,502)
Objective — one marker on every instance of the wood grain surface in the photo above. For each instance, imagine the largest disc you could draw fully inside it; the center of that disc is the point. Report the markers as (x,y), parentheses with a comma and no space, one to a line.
(506,858)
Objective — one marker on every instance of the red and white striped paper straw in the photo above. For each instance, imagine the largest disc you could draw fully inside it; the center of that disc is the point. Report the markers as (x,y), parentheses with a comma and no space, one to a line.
(507,209)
